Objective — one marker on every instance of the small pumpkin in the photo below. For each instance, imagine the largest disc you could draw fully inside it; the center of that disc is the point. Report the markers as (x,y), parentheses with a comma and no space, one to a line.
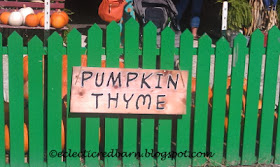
(62,136)
(58,20)
(32,20)
(15,19)
(4,18)
(25,11)
(65,16)
(42,21)
(40,15)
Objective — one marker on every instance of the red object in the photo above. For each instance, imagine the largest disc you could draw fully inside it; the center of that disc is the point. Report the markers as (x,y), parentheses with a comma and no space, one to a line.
(111,10)
(265,38)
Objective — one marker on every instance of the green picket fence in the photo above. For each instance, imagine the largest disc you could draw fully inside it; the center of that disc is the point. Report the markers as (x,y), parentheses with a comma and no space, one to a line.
(249,140)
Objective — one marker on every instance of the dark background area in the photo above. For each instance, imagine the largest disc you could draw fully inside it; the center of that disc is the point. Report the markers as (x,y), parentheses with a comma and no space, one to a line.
(86,12)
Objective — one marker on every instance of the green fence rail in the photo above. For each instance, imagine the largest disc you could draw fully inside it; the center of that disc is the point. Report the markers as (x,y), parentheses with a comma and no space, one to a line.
(236,126)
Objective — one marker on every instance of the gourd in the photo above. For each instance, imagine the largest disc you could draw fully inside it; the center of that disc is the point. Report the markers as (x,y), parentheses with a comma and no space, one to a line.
(5,17)
(32,20)
(25,11)
(15,19)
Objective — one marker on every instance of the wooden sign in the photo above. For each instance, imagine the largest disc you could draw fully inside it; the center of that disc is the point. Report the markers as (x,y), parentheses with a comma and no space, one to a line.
(128,91)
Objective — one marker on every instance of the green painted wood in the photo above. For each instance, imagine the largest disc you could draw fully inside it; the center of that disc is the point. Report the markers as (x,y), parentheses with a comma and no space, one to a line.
(112,123)
(183,123)
(219,102)
(54,103)
(2,116)
(131,48)
(201,99)
(277,144)
(235,105)
(16,104)
(147,123)
(269,93)
(93,123)
(36,102)
(73,123)
(252,100)
(165,124)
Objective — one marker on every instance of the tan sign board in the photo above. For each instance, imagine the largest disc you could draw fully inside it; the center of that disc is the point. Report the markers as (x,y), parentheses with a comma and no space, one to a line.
(128,91)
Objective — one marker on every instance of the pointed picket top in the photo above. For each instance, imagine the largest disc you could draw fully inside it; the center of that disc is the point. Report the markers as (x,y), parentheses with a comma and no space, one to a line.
(55,36)
(204,40)
(132,23)
(95,28)
(257,34)
(222,42)
(113,26)
(168,32)
(273,30)
(240,39)
(74,33)
(14,36)
(186,35)
(35,41)
(150,26)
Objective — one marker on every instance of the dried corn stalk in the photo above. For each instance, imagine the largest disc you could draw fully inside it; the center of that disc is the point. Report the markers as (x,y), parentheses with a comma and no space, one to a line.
(261,18)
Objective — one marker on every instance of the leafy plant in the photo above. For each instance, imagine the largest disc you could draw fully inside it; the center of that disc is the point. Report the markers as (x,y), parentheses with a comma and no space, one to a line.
(239,14)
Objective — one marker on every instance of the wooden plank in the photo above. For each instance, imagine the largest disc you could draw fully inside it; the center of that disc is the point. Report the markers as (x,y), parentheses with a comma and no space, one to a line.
(131,57)
(165,124)
(73,123)
(201,99)
(235,105)
(128,91)
(16,103)
(184,122)
(269,93)
(30,4)
(2,116)
(92,123)
(113,52)
(36,106)
(147,123)
(54,102)
(219,102)
(252,100)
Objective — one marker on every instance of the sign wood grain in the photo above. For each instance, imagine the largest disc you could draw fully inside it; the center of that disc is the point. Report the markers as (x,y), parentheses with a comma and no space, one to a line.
(128,91)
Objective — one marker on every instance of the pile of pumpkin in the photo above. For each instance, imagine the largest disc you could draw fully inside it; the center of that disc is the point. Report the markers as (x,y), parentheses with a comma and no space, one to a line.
(64,101)
(227,101)
(26,16)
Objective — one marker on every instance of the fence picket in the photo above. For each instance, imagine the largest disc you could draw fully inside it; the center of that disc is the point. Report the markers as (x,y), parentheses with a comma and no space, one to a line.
(92,123)
(113,52)
(165,122)
(201,98)
(251,113)
(36,105)
(73,123)
(2,116)
(183,123)
(235,105)
(269,93)
(54,102)
(16,103)
(131,58)
(147,122)
(219,102)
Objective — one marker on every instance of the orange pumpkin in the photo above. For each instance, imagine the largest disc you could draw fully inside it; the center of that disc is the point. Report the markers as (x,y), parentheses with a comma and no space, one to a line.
(7,138)
(58,19)
(62,136)
(5,17)
(64,75)
(42,21)
(103,64)
(84,61)
(40,15)
(32,20)
(25,68)
(65,16)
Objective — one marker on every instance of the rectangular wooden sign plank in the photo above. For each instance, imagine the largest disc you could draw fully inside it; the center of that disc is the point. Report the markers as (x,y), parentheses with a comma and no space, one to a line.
(128,91)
